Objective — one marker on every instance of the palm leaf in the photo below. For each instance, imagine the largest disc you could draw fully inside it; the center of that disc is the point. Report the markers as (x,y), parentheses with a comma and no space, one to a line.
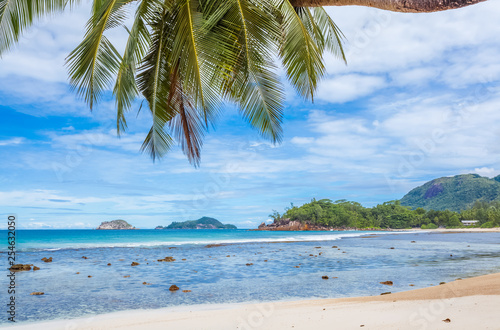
(300,55)
(125,89)
(95,61)
(154,84)
(17,15)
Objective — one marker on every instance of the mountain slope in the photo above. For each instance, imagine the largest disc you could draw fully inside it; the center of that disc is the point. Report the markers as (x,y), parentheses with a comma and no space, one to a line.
(453,193)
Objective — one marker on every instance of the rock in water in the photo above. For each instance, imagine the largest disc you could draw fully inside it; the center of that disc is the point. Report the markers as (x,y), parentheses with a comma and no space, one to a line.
(167,259)
(134,263)
(116,224)
(20,268)
(36,293)
(386,283)
(174,288)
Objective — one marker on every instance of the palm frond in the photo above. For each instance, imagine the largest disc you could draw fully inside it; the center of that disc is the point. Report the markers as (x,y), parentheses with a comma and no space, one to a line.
(300,55)
(154,84)
(95,61)
(125,89)
(254,83)
(188,125)
(333,36)
(18,15)
(189,52)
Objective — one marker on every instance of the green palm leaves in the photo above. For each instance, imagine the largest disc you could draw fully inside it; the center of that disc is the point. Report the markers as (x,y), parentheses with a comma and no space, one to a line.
(186,58)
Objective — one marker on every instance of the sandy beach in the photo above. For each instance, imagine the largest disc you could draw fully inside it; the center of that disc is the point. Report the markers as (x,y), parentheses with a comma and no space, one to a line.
(462,304)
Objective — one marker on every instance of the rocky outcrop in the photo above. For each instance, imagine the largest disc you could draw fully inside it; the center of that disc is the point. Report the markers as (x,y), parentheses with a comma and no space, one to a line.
(115,224)
(293,225)
(174,288)
(20,268)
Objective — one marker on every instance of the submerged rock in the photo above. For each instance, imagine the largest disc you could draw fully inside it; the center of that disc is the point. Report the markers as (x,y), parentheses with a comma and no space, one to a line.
(324,277)
(20,268)
(36,293)
(47,259)
(134,263)
(186,290)
(387,283)
(167,259)
(36,268)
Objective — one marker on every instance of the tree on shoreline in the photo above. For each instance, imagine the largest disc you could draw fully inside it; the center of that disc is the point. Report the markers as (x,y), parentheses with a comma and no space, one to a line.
(185,58)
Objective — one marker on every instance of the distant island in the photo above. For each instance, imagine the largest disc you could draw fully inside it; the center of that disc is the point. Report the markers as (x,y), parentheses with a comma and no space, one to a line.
(115,224)
(455,193)
(202,223)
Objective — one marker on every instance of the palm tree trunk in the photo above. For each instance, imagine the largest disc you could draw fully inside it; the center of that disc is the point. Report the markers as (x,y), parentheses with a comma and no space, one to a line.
(404,6)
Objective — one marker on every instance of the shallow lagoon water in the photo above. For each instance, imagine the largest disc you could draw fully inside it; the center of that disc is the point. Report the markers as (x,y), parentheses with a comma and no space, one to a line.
(215,278)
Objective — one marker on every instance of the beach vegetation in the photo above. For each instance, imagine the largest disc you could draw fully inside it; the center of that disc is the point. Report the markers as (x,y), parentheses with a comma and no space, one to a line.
(348,214)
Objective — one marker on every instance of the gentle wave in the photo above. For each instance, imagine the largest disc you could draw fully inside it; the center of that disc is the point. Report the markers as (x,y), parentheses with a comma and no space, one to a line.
(288,239)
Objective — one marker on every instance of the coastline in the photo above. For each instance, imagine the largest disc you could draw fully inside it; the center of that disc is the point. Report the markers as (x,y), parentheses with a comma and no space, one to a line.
(461,304)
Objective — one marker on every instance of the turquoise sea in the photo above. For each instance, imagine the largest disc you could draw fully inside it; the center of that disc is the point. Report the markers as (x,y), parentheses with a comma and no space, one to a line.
(228,266)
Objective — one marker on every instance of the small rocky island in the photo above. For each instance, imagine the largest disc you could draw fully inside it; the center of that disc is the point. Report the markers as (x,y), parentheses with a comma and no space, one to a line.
(202,223)
(115,224)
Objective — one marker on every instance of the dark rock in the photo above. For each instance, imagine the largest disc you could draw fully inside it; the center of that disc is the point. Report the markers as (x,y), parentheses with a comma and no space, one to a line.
(109,264)
(20,268)
(446,320)
(167,259)
(413,242)
(146,283)
(384,293)
(392,248)
(36,268)
(335,247)
(324,277)
(47,259)
(36,293)
(441,283)
(84,257)
(134,263)
(174,288)
(89,276)
(386,283)
(249,264)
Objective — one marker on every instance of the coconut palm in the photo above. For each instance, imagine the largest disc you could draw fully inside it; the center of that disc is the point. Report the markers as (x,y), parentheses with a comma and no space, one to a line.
(186,58)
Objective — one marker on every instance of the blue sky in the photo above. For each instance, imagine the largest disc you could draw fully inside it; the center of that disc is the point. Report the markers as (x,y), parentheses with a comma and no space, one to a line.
(418,99)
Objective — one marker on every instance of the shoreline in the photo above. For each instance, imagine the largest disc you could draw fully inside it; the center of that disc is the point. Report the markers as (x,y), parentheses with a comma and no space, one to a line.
(467,304)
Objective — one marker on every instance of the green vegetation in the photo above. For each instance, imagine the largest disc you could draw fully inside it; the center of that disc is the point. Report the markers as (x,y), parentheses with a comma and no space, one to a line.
(202,223)
(454,193)
(345,214)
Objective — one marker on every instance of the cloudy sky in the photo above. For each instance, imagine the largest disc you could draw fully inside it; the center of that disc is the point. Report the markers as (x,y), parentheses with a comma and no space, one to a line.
(418,99)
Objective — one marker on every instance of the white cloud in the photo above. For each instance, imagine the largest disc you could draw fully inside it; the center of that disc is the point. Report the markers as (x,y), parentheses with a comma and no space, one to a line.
(12,141)
(348,87)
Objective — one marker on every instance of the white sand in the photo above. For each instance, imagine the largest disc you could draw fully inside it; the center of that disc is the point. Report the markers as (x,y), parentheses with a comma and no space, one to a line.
(469,304)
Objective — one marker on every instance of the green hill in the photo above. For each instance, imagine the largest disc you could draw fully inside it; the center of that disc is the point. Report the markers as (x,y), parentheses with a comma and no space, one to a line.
(202,223)
(453,193)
